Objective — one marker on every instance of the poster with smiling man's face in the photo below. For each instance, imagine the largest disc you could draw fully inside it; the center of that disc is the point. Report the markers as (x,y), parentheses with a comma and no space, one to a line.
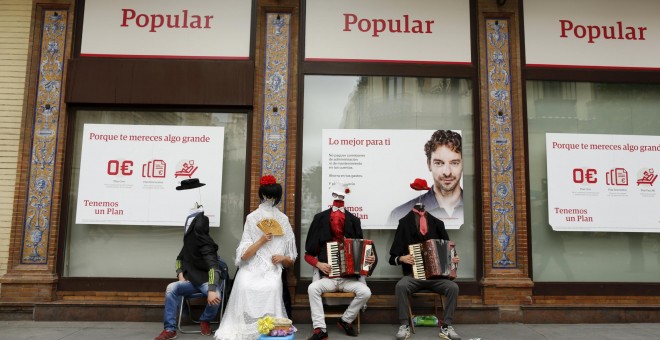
(379,167)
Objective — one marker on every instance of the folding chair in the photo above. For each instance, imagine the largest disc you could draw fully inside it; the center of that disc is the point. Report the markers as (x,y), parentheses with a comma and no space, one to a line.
(425,293)
(186,301)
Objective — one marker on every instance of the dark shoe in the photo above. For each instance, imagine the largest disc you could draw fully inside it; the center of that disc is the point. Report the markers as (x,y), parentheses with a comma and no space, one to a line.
(347,327)
(318,335)
(166,335)
(206,327)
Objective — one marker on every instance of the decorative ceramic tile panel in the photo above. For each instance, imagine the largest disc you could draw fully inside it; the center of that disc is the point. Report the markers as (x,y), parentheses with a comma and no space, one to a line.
(36,229)
(276,93)
(500,138)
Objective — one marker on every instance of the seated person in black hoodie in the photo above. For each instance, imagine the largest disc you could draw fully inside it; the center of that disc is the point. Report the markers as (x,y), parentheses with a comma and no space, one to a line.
(197,269)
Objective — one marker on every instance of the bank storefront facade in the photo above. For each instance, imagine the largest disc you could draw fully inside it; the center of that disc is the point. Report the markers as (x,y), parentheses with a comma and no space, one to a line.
(557,105)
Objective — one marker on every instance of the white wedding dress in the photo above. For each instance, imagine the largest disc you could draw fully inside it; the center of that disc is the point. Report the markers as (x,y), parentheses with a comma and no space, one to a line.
(257,289)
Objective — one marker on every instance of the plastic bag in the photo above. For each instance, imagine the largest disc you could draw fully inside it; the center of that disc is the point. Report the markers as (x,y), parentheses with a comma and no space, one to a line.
(425,320)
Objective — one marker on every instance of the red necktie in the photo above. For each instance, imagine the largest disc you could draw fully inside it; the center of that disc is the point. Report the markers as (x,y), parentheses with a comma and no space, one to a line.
(423,228)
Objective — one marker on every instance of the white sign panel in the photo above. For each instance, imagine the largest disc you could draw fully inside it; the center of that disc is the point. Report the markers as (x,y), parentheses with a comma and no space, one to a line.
(592,33)
(419,31)
(218,29)
(603,182)
(129,174)
(378,167)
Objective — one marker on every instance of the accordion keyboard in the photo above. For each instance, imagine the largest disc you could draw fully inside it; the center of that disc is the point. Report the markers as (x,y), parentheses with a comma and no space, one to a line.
(334,258)
(417,267)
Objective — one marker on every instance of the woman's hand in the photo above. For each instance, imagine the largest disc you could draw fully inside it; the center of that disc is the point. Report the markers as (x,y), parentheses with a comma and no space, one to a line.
(284,260)
(280,259)
(255,246)
(265,238)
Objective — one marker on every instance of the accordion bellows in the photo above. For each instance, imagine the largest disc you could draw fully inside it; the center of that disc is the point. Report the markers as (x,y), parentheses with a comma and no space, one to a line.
(270,226)
(433,259)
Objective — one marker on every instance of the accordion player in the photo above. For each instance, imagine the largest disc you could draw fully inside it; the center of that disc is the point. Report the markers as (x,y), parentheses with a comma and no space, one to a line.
(348,258)
(433,259)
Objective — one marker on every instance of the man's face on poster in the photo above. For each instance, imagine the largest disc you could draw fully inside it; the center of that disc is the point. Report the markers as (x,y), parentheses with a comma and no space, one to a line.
(446,167)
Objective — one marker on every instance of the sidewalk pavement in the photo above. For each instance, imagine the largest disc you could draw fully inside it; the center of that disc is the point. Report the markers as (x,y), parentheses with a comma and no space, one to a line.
(72,330)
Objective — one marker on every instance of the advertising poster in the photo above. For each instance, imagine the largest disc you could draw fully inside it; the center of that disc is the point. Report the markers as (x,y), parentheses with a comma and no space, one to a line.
(378,167)
(603,182)
(129,174)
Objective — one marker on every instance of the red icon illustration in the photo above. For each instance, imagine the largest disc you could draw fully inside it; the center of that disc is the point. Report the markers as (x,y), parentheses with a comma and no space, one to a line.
(585,175)
(648,178)
(123,168)
(156,168)
(617,176)
(187,170)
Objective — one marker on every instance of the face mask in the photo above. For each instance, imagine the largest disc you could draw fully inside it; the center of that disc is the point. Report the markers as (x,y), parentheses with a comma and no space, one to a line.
(269,201)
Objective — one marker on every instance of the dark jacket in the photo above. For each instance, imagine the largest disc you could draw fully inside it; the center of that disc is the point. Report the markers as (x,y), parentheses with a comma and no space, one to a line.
(198,258)
(319,233)
(407,233)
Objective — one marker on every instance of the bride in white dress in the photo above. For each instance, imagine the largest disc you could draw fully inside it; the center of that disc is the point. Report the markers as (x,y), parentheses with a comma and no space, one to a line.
(257,289)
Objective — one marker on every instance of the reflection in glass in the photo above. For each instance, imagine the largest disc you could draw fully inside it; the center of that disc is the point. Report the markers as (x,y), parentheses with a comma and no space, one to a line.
(588,108)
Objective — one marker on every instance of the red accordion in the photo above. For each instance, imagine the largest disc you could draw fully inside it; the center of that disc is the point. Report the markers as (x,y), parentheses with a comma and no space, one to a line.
(433,259)
(348,258)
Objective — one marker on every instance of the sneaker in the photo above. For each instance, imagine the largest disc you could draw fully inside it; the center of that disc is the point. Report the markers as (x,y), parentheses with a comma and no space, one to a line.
(347,327)
(206,327)
(403,333)
(166,335)
(318,335)
(448,333)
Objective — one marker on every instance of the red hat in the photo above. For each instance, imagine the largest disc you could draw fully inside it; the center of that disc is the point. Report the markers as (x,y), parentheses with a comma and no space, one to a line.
(267,180)
(419,184)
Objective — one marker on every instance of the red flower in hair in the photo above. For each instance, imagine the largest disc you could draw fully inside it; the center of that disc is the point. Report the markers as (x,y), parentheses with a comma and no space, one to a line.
(268,179)
(347,191)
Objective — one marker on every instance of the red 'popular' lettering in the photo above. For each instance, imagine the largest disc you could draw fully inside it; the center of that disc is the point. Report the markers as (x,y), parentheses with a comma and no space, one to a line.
(377,26)
(156,21)
(595,32)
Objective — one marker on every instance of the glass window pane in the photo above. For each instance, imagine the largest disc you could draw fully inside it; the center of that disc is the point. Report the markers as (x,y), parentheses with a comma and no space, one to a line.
(367,102)
(150,251)
(588,108)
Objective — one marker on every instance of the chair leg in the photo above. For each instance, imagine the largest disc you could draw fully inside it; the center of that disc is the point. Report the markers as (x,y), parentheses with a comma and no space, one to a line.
(178,322)
(185,304)
(358,322)
(221,310)
(190,313)
(410,316)
(435,307)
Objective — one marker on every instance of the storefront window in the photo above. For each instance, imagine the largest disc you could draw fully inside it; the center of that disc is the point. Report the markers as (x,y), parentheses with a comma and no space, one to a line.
(588,108)
(139,251)
(396,103)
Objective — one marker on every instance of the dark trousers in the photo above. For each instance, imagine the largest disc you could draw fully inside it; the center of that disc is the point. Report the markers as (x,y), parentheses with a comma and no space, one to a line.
(408,285)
